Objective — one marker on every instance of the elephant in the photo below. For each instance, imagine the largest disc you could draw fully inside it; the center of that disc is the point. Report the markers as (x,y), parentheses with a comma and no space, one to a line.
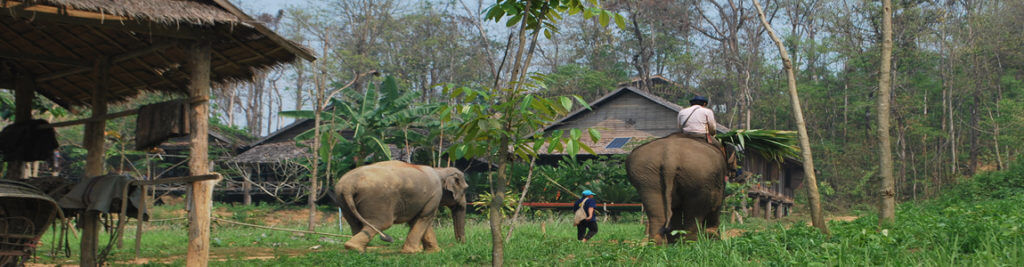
(681,184)
(375,196)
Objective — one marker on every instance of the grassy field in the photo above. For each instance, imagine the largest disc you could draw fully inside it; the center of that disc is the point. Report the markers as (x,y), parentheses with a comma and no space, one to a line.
(985,233)
(980,223)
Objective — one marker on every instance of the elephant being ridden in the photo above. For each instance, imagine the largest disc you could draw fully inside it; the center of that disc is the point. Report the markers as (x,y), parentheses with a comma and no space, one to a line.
(373,197)
(681,184)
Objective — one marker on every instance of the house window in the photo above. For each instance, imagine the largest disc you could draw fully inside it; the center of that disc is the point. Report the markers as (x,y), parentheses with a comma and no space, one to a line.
(618,142)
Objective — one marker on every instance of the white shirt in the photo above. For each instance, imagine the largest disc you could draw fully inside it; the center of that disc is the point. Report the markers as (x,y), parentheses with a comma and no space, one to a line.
(703,119)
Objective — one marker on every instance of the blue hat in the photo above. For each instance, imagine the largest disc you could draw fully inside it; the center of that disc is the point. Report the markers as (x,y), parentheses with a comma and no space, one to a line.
(588,193)
(699,98)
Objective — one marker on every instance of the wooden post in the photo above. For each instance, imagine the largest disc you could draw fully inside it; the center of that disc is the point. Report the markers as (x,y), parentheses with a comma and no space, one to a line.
(93,141)
(246,187)
(198,164)
(778,210)
(24,91)
(755,207)
(767,209)
(145,206)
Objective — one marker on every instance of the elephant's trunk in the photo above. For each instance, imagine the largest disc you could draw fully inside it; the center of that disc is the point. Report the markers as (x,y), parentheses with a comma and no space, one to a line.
(459,221)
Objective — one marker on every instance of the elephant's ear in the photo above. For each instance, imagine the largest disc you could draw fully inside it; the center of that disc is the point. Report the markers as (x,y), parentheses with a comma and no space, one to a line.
(454,181)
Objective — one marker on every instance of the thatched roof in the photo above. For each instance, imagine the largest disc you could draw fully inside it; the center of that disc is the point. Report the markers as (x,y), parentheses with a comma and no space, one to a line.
(146,42)
(272,153)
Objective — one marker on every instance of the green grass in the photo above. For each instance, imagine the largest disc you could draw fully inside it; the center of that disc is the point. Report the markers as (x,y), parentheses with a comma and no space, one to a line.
(978,223)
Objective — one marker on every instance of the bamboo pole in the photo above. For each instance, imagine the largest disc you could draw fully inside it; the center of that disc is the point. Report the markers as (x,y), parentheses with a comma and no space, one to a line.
(202,191)
(93,142)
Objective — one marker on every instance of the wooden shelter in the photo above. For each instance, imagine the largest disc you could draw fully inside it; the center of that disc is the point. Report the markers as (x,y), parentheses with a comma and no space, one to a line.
(629,117)
(88,53)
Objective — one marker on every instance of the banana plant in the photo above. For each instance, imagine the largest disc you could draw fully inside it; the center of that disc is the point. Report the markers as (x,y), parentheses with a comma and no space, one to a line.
(358,127)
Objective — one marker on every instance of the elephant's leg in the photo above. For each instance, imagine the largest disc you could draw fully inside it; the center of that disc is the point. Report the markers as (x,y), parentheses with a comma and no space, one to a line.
(417,230)
(430,239)
(711,222)
(677,222)
(655,209)
(691,226)
(353,223)
(362,238)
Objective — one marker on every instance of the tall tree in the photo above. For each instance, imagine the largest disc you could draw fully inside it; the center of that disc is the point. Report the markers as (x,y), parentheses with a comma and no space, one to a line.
(887,212)
(501,137)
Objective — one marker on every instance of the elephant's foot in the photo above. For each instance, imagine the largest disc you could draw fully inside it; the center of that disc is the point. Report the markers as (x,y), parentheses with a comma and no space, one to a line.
(411,249)
(712,233)
(358,242)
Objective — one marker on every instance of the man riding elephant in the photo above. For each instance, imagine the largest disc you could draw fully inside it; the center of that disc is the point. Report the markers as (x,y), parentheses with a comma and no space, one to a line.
(698,122)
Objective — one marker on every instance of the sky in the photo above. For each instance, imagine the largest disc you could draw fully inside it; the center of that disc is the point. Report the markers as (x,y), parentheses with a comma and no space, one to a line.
(268,6)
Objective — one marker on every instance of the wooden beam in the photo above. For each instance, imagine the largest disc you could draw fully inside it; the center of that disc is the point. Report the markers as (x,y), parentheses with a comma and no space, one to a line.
(93,141)
(18,55)
(101,54)
(136,59)
(113,60)
(202,192)
(104,117)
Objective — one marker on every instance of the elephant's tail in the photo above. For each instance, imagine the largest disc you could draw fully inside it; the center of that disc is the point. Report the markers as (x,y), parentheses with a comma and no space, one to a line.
(668,174)
(355,212)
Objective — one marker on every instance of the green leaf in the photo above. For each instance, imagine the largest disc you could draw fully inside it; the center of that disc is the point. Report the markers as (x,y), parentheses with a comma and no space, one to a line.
(547,34)
(512,21)
(566,102)
(574,147)
(603,19)
(460,151)
(594,135)
(581,101)
(383,147)
(575,134)
(620,21)
(587,148)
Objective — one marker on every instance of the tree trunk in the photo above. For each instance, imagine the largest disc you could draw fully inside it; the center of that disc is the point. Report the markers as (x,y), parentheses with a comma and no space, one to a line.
(887,211)
(315,151)
(247,187)
(202,192)
(93,142)
(519,206)
(805,143)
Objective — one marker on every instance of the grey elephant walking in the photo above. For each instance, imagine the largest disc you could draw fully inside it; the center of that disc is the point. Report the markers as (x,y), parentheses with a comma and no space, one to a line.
(680,182)
(376,196)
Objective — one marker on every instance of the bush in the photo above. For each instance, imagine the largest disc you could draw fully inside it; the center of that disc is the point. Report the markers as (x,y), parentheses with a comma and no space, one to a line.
(989,185)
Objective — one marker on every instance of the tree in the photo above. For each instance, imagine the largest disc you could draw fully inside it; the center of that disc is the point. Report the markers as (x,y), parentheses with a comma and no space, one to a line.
(887,212)
(494,120)
(805,143)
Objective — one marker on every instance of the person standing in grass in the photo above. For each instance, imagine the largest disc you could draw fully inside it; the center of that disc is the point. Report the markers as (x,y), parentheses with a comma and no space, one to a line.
(587,203)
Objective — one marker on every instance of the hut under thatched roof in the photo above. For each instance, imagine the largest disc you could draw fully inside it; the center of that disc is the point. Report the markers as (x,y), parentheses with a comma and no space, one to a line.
(88,53)
(146,42)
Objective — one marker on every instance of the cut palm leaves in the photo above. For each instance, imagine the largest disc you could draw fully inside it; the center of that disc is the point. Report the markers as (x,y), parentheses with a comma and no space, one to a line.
(774,145)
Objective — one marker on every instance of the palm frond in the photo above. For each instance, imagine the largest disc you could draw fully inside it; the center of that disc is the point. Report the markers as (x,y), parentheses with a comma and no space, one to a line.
(776,145)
